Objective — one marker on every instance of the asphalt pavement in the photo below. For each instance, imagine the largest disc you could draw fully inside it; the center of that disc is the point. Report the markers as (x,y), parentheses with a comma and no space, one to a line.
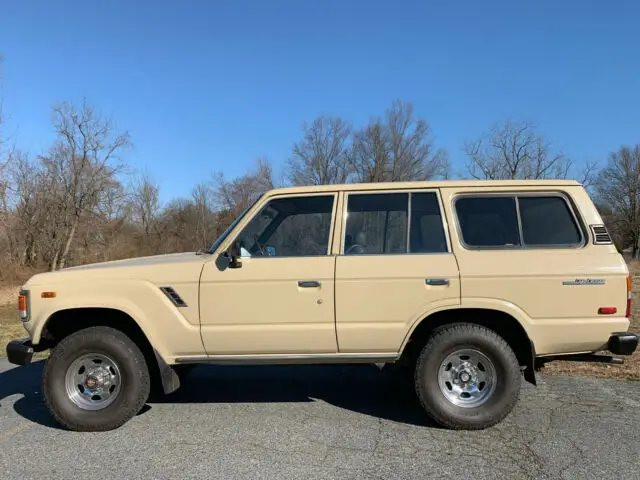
(324,422)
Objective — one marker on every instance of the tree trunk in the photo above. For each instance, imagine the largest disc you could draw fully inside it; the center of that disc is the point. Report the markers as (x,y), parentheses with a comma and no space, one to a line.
(65,252)
(54,263)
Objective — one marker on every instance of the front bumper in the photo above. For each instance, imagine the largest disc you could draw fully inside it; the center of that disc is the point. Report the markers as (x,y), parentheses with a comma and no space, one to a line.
(20,352)
(623,343)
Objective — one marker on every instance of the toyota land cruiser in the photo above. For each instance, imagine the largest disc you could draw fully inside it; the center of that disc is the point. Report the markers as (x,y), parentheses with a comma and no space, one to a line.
(472,285)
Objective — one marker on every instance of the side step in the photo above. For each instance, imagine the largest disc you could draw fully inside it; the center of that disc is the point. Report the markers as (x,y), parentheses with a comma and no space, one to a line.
(581,357)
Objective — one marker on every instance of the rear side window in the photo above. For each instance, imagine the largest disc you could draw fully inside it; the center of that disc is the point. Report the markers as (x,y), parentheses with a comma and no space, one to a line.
(389,223)
(488,221)
(376,223)
(547,221)
(510,221)
(427,231)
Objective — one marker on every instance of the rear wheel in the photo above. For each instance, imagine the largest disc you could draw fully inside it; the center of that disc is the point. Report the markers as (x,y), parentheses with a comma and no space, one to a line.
(467,377)
(95,379)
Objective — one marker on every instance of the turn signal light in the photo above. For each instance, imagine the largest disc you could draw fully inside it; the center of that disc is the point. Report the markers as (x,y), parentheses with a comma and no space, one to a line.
(629,283)
(23,306)
(48,294)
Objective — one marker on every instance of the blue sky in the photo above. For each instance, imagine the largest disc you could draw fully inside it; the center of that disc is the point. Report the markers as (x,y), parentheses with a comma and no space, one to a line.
(207,86)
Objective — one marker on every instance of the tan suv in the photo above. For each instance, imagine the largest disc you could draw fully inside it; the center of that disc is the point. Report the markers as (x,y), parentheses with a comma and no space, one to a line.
(472,285)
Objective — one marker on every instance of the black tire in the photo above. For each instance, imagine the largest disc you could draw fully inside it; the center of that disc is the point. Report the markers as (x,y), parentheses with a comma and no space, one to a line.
(133,386)
(453,338)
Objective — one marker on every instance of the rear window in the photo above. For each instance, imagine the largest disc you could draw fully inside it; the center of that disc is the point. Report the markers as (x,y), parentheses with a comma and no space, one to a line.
(511,221)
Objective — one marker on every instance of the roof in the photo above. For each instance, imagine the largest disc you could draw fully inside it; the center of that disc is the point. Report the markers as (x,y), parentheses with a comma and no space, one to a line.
(421,185)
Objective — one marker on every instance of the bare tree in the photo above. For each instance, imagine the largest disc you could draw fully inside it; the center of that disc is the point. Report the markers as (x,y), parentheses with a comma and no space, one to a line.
(146,204)
(82,164)
(4,159)
(617,189)
(321,157)
(234,196)
(398,148)
(203,197)
(514,150)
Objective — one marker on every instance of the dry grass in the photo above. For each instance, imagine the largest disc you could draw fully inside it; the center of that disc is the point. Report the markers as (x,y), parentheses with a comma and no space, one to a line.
(10,325)
(11,329)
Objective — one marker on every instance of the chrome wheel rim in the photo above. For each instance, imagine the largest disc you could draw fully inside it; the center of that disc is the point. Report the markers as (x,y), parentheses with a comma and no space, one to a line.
(467,378)
(93,381)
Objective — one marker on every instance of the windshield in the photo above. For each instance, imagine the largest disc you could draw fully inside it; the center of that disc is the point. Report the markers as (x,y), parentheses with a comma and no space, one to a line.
(214,246)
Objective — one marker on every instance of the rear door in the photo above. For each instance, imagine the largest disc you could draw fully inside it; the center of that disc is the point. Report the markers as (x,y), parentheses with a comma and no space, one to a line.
(395,266)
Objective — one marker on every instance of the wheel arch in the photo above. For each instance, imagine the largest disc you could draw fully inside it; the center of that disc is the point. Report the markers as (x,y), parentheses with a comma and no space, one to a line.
(64,322)
(503,323)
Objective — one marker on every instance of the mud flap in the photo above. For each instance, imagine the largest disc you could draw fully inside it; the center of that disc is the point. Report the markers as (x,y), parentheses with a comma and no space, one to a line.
(530,371)
(168,376)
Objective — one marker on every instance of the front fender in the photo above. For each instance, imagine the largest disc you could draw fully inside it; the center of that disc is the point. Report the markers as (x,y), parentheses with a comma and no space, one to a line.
(168,330)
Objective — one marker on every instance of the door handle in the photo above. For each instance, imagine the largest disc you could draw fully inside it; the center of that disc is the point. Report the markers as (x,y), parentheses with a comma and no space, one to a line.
(436,281)
(309,284)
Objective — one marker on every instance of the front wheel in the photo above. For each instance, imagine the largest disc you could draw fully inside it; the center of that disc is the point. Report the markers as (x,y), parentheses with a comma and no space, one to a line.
(467,377)
(95,379)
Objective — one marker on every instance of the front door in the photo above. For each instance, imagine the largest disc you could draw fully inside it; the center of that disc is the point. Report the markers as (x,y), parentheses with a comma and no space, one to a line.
(281,301)
(396,267)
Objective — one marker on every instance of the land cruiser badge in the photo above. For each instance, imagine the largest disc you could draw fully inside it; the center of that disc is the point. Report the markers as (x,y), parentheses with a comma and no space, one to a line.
(585,281)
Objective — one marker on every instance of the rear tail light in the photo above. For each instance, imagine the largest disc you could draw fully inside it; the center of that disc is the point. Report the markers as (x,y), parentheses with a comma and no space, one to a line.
(607,310)
(23,305)
(628,314)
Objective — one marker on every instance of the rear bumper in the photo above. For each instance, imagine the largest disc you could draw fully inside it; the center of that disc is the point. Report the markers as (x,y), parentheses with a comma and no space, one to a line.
(623,343)
(20,352)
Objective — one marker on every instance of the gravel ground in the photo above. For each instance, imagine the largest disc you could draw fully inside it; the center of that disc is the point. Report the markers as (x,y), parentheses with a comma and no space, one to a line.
(308,422)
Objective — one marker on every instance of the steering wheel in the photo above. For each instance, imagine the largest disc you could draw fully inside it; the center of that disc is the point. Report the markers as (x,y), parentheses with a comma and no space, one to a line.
(260,247)
(355,249)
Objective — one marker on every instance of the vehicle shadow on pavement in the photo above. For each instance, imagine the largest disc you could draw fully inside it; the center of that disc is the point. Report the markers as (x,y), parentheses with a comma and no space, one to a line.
(26,381)
(386,394)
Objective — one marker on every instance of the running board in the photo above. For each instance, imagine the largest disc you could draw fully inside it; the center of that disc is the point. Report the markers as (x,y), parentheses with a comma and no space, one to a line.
(290,359)
(583,357)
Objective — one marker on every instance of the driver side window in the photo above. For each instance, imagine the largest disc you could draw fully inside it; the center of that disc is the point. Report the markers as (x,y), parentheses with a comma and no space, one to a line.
(289,227)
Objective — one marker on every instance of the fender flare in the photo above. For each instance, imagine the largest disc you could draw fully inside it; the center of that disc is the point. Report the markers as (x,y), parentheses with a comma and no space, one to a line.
(168,377)
(494,304)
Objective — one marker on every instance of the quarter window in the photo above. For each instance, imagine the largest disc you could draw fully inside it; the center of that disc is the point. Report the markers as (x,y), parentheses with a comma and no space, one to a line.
(488,221)
(510,221)
(547,221)
(289,227)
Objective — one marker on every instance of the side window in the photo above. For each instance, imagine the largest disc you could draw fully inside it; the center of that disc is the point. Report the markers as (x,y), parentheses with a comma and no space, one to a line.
(427,231)
(547,221)
(488,221)
(376,223)
(289,227)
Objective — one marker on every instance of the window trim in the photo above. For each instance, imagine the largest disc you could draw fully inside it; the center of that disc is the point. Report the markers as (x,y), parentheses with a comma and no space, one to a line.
(268,200)
(523,246)
(409,192)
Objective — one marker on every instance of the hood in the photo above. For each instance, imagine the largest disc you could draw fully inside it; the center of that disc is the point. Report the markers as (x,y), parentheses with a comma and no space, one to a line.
(153,260)
(180,267)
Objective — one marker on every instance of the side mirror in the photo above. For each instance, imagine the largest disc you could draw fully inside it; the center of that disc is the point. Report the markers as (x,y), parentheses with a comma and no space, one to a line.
(234,255)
